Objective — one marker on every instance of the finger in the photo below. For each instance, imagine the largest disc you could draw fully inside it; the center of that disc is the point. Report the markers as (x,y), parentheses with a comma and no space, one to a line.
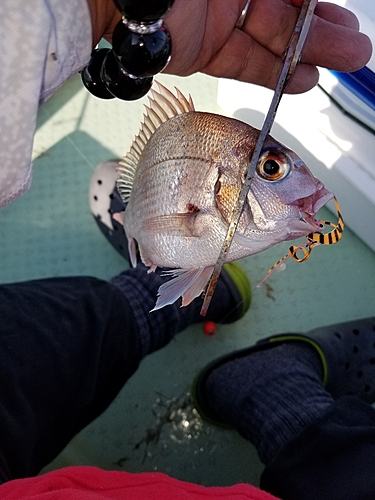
(304,78)
(244,59)
(337,15)
(186,22)
(271,23)
(333,13)
(336,47)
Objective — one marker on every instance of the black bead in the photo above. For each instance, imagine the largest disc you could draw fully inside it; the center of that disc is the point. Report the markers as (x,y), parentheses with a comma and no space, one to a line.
(121,85)
(91,75)
(144,11)
(141,55)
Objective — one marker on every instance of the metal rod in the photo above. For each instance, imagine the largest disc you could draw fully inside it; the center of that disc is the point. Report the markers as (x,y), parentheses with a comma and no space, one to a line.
(292,58)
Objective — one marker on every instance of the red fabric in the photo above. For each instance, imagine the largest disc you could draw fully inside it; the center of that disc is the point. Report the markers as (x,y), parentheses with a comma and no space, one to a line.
(90,483)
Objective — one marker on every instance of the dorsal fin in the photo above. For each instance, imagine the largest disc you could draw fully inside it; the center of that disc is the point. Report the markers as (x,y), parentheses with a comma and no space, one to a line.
(163,105)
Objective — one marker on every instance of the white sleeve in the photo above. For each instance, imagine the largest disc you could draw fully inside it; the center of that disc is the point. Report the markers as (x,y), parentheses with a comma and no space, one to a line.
(43,43)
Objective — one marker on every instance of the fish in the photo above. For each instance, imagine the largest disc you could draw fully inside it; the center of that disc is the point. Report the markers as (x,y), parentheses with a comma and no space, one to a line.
(180,182)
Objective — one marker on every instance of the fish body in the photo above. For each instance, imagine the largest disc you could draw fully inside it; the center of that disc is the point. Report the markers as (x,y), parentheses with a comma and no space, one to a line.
(181,181)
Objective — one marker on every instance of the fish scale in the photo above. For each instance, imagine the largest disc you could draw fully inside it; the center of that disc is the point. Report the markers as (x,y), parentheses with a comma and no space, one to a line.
(181,180)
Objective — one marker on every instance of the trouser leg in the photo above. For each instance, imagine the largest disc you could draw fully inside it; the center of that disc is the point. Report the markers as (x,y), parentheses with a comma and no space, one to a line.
(67,346)
(333,458)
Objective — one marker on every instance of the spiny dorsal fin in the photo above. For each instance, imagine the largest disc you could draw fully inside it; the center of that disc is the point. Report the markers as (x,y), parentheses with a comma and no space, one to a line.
(163,105)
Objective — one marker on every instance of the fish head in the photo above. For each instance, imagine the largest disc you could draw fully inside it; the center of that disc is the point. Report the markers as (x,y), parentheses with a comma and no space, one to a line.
(284,196)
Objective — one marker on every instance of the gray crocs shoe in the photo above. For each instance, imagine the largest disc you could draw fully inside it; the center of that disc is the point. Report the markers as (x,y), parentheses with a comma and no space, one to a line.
(346,350)
(105,201)
(347,353)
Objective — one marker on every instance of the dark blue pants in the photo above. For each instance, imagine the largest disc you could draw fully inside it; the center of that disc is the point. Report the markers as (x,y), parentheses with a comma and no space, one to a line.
(67,346)
(333,459)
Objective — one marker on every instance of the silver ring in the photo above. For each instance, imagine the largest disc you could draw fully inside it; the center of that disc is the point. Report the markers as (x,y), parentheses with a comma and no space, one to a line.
(241,20)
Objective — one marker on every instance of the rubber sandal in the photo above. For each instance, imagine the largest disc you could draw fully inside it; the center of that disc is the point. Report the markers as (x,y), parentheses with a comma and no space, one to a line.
(347,353)
(238,284)
(346,350)
(105,201)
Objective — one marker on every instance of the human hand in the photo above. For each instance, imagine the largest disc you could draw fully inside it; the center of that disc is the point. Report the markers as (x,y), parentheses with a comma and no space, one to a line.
(204,38)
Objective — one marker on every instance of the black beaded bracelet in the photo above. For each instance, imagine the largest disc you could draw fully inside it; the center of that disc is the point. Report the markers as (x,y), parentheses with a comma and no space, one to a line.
(141,48)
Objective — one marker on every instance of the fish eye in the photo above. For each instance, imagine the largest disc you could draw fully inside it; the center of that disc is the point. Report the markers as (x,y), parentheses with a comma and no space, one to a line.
(273,165)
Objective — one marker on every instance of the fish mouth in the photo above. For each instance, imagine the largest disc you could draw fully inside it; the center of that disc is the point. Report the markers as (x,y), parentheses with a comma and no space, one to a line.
(313,203)
(310,205)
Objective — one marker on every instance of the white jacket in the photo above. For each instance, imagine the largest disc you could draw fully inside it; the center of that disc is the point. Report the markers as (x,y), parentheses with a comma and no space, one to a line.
(43,43)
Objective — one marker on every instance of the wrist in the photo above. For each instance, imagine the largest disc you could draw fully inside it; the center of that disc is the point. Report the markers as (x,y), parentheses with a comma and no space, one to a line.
(104,17)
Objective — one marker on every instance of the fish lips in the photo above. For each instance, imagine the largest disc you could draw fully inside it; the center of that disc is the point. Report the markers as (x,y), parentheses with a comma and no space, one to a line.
(310,205)
(313,203)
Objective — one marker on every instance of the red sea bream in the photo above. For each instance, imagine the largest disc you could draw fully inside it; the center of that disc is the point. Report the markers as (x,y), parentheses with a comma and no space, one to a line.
(181,180)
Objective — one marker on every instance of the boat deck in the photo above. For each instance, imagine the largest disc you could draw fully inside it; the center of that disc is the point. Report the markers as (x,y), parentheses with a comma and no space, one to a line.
(49,231)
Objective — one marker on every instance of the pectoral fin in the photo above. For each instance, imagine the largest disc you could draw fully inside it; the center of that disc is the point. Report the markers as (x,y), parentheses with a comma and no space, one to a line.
(180,224)
(246,242)
(187,284)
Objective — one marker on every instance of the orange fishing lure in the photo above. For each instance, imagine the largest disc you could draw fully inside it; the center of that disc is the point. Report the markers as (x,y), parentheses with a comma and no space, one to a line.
(313,240)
